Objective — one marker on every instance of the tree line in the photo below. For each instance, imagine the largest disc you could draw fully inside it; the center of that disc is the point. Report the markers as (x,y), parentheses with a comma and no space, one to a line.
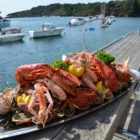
(118,8)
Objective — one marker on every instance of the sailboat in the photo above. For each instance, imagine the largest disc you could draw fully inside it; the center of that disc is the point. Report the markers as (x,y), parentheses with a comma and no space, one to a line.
(103,21)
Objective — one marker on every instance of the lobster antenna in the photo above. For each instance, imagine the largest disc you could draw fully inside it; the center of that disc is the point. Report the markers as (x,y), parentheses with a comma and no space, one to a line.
(2,80)
(85,46)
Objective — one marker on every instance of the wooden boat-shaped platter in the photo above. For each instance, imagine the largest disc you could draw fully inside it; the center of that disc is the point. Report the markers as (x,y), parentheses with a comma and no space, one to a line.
(54,122)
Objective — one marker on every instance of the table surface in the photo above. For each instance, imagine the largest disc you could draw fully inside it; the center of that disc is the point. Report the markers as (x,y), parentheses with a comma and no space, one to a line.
(101,124)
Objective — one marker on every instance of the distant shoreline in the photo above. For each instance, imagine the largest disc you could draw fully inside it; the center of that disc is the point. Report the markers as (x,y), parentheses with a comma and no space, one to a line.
(62,17)
(129,8)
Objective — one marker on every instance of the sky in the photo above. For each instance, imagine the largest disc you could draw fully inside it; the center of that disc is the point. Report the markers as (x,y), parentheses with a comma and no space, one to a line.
(11,6)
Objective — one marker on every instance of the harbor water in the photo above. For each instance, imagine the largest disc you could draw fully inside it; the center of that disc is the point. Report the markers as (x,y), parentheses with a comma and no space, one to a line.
(46,50)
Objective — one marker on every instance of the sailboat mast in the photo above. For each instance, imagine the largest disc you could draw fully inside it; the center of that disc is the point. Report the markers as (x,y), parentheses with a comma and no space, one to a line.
(104,10)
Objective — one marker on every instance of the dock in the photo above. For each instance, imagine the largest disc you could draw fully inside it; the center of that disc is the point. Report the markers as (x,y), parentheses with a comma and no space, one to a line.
(103,123)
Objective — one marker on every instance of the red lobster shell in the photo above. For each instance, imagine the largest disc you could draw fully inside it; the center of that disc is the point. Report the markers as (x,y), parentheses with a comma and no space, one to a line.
(27,73)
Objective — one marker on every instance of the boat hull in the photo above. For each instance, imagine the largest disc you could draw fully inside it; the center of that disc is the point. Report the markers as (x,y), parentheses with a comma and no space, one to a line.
(77,23)
(11,37)
(45,33)
(103,25)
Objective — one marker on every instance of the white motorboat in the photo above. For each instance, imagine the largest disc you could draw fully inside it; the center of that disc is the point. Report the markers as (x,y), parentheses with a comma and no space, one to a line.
(77,22)
(11,37)
(103,23)
(47,30)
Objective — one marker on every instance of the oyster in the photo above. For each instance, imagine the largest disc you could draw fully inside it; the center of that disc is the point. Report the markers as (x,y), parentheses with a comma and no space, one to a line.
(69,110)
(21,118)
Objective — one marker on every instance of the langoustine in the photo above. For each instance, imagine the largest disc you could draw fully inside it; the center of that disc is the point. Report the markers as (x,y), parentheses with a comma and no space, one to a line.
(6,99)
(5,104)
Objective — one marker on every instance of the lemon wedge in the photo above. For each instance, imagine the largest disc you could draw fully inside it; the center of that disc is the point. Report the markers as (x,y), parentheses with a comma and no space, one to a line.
(24,98)
(100,87)
(76,71)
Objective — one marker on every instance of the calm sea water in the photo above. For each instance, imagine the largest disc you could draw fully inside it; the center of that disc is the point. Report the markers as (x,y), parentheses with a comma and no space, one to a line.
(46,50)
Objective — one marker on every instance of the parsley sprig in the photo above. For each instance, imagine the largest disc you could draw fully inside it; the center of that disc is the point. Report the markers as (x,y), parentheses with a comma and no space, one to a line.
(105,57)
(60,64)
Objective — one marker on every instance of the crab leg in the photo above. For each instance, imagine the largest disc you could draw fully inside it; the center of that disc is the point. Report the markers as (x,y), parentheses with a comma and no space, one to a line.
(42,116)
(32,103)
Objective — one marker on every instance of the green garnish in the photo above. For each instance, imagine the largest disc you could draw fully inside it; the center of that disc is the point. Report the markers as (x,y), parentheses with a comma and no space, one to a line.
(105,57)
(60,64)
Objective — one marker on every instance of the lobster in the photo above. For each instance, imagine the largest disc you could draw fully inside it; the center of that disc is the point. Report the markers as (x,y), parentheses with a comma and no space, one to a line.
(104,72)
(29,73)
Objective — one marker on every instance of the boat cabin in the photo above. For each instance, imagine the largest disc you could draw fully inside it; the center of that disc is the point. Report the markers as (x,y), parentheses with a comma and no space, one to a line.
(47,26)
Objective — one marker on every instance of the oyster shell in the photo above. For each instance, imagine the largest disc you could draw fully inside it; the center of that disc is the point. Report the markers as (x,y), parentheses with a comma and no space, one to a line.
(69,110)
(21,118)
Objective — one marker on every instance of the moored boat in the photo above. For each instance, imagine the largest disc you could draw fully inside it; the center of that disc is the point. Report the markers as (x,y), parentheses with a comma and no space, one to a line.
(47,30)
(103,23)
(11,37)
(76,22)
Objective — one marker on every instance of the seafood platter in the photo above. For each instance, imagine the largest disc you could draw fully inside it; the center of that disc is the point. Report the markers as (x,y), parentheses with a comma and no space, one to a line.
(68,88)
